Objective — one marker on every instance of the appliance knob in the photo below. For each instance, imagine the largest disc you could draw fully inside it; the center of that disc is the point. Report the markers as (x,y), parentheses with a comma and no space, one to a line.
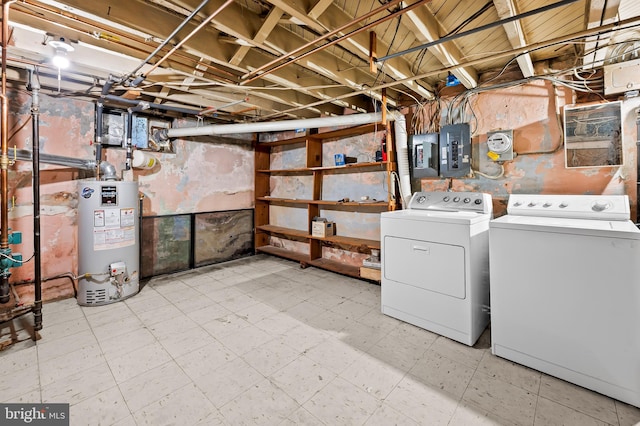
(546,205)
(599,206)
(478,201)
(531,204)
(467,200)
(421,199)
(563,205)
(456,199)
(517,204)
(446,199)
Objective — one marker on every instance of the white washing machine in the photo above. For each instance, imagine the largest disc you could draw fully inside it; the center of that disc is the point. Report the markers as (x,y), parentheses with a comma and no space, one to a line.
(565,290)
(435,263)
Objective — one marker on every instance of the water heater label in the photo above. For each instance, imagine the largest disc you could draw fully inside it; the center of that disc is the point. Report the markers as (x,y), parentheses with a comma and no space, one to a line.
(109,196)
(113,228)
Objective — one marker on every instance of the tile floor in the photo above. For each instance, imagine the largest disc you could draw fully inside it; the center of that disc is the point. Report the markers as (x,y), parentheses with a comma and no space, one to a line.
(262,341)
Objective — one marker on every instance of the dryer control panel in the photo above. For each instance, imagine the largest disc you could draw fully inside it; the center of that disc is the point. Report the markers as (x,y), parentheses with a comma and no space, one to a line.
(600,207)
(452,201)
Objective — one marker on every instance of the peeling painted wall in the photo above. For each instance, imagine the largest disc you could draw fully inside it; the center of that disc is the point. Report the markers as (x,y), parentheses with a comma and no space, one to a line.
(539,167)
(203,175)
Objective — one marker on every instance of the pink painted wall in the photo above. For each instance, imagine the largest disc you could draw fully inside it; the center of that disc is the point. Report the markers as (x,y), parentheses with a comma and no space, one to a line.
(199,177)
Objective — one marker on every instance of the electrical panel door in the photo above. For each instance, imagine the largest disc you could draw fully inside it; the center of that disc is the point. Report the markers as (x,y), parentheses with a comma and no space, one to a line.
(455,150)
(424,155)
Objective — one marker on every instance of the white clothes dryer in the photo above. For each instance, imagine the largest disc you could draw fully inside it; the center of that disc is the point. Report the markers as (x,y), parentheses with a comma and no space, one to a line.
(435,263)
(565,290)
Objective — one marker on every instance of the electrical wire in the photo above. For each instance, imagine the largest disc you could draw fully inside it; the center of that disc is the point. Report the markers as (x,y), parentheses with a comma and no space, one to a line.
(13,259)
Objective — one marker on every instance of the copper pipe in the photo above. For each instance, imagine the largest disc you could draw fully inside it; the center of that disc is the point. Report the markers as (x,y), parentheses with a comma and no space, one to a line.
(4,132)
(220,73)
(188,36)
(323,37)
(339,39)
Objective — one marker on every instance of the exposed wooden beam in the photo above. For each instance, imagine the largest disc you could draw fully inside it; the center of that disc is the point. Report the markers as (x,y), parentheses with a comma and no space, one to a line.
(427,29)
(515,34)
(259,38)
(597,13)
(319,8)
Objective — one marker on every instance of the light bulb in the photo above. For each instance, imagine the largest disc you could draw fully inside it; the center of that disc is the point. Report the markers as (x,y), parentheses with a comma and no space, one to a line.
(60,59)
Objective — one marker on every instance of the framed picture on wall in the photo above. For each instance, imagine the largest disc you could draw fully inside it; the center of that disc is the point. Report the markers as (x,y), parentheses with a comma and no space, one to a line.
(593,135)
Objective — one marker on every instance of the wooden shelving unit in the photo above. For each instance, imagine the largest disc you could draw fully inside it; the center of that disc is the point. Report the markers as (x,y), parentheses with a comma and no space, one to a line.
(313,148)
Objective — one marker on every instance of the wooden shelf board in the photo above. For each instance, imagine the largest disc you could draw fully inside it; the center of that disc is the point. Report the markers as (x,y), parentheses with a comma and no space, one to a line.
(283,200)
(335,266)
(297,170)
(287,254)
(299,139)
(350,131)
(350,242)
(350,203)
(346,167)
(283,231)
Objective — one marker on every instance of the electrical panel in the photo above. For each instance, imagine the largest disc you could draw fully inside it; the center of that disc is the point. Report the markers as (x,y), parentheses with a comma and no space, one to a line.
(424,155)
(455,150)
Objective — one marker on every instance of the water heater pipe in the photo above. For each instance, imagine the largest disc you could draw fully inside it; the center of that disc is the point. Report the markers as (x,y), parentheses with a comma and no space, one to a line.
(26,155)
(35,165)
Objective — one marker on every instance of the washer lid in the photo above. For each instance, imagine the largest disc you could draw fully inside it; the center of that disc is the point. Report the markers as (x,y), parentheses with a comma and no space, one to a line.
(598,228)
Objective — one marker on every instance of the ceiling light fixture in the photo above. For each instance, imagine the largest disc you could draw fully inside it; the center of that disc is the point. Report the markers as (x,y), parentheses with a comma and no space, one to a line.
(61,47)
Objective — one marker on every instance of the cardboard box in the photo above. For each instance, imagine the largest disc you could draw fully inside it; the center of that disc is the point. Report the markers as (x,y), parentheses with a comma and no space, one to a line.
(323,229)
(370,273)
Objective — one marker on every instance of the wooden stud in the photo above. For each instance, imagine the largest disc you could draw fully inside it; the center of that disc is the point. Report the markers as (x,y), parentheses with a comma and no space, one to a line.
(373,55)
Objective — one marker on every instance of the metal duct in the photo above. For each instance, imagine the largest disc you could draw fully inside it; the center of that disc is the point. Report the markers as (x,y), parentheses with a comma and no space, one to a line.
(26,155)
(402,153)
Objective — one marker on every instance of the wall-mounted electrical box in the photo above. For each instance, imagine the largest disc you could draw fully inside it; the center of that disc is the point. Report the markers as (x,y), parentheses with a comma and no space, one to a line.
(500,145)
(424,155)
(455,150)
(621,77)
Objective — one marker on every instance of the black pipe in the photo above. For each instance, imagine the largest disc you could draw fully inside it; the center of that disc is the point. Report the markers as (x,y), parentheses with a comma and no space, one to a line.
(98,138)
(35,161)
(475,30)
(152,105)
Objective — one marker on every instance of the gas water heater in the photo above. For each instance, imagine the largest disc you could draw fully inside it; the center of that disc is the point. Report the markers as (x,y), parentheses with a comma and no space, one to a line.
(108,244)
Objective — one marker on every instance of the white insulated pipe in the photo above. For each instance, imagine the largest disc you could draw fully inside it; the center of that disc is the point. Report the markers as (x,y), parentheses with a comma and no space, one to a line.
(276,126)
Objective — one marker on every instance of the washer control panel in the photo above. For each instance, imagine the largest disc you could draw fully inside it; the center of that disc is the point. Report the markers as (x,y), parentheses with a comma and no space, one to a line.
(452,201)
(601,207)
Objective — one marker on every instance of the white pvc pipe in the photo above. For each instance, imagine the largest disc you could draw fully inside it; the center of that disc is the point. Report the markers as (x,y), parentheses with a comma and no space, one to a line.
(276,126)
(402,153)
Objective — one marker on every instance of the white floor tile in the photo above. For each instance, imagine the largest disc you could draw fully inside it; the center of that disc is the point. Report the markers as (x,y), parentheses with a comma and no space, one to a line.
(302,378)
(153,385)
(342,403)
(262,404)
(185,406)
(501,399)
(169,355)
(578,398)
(106,408)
